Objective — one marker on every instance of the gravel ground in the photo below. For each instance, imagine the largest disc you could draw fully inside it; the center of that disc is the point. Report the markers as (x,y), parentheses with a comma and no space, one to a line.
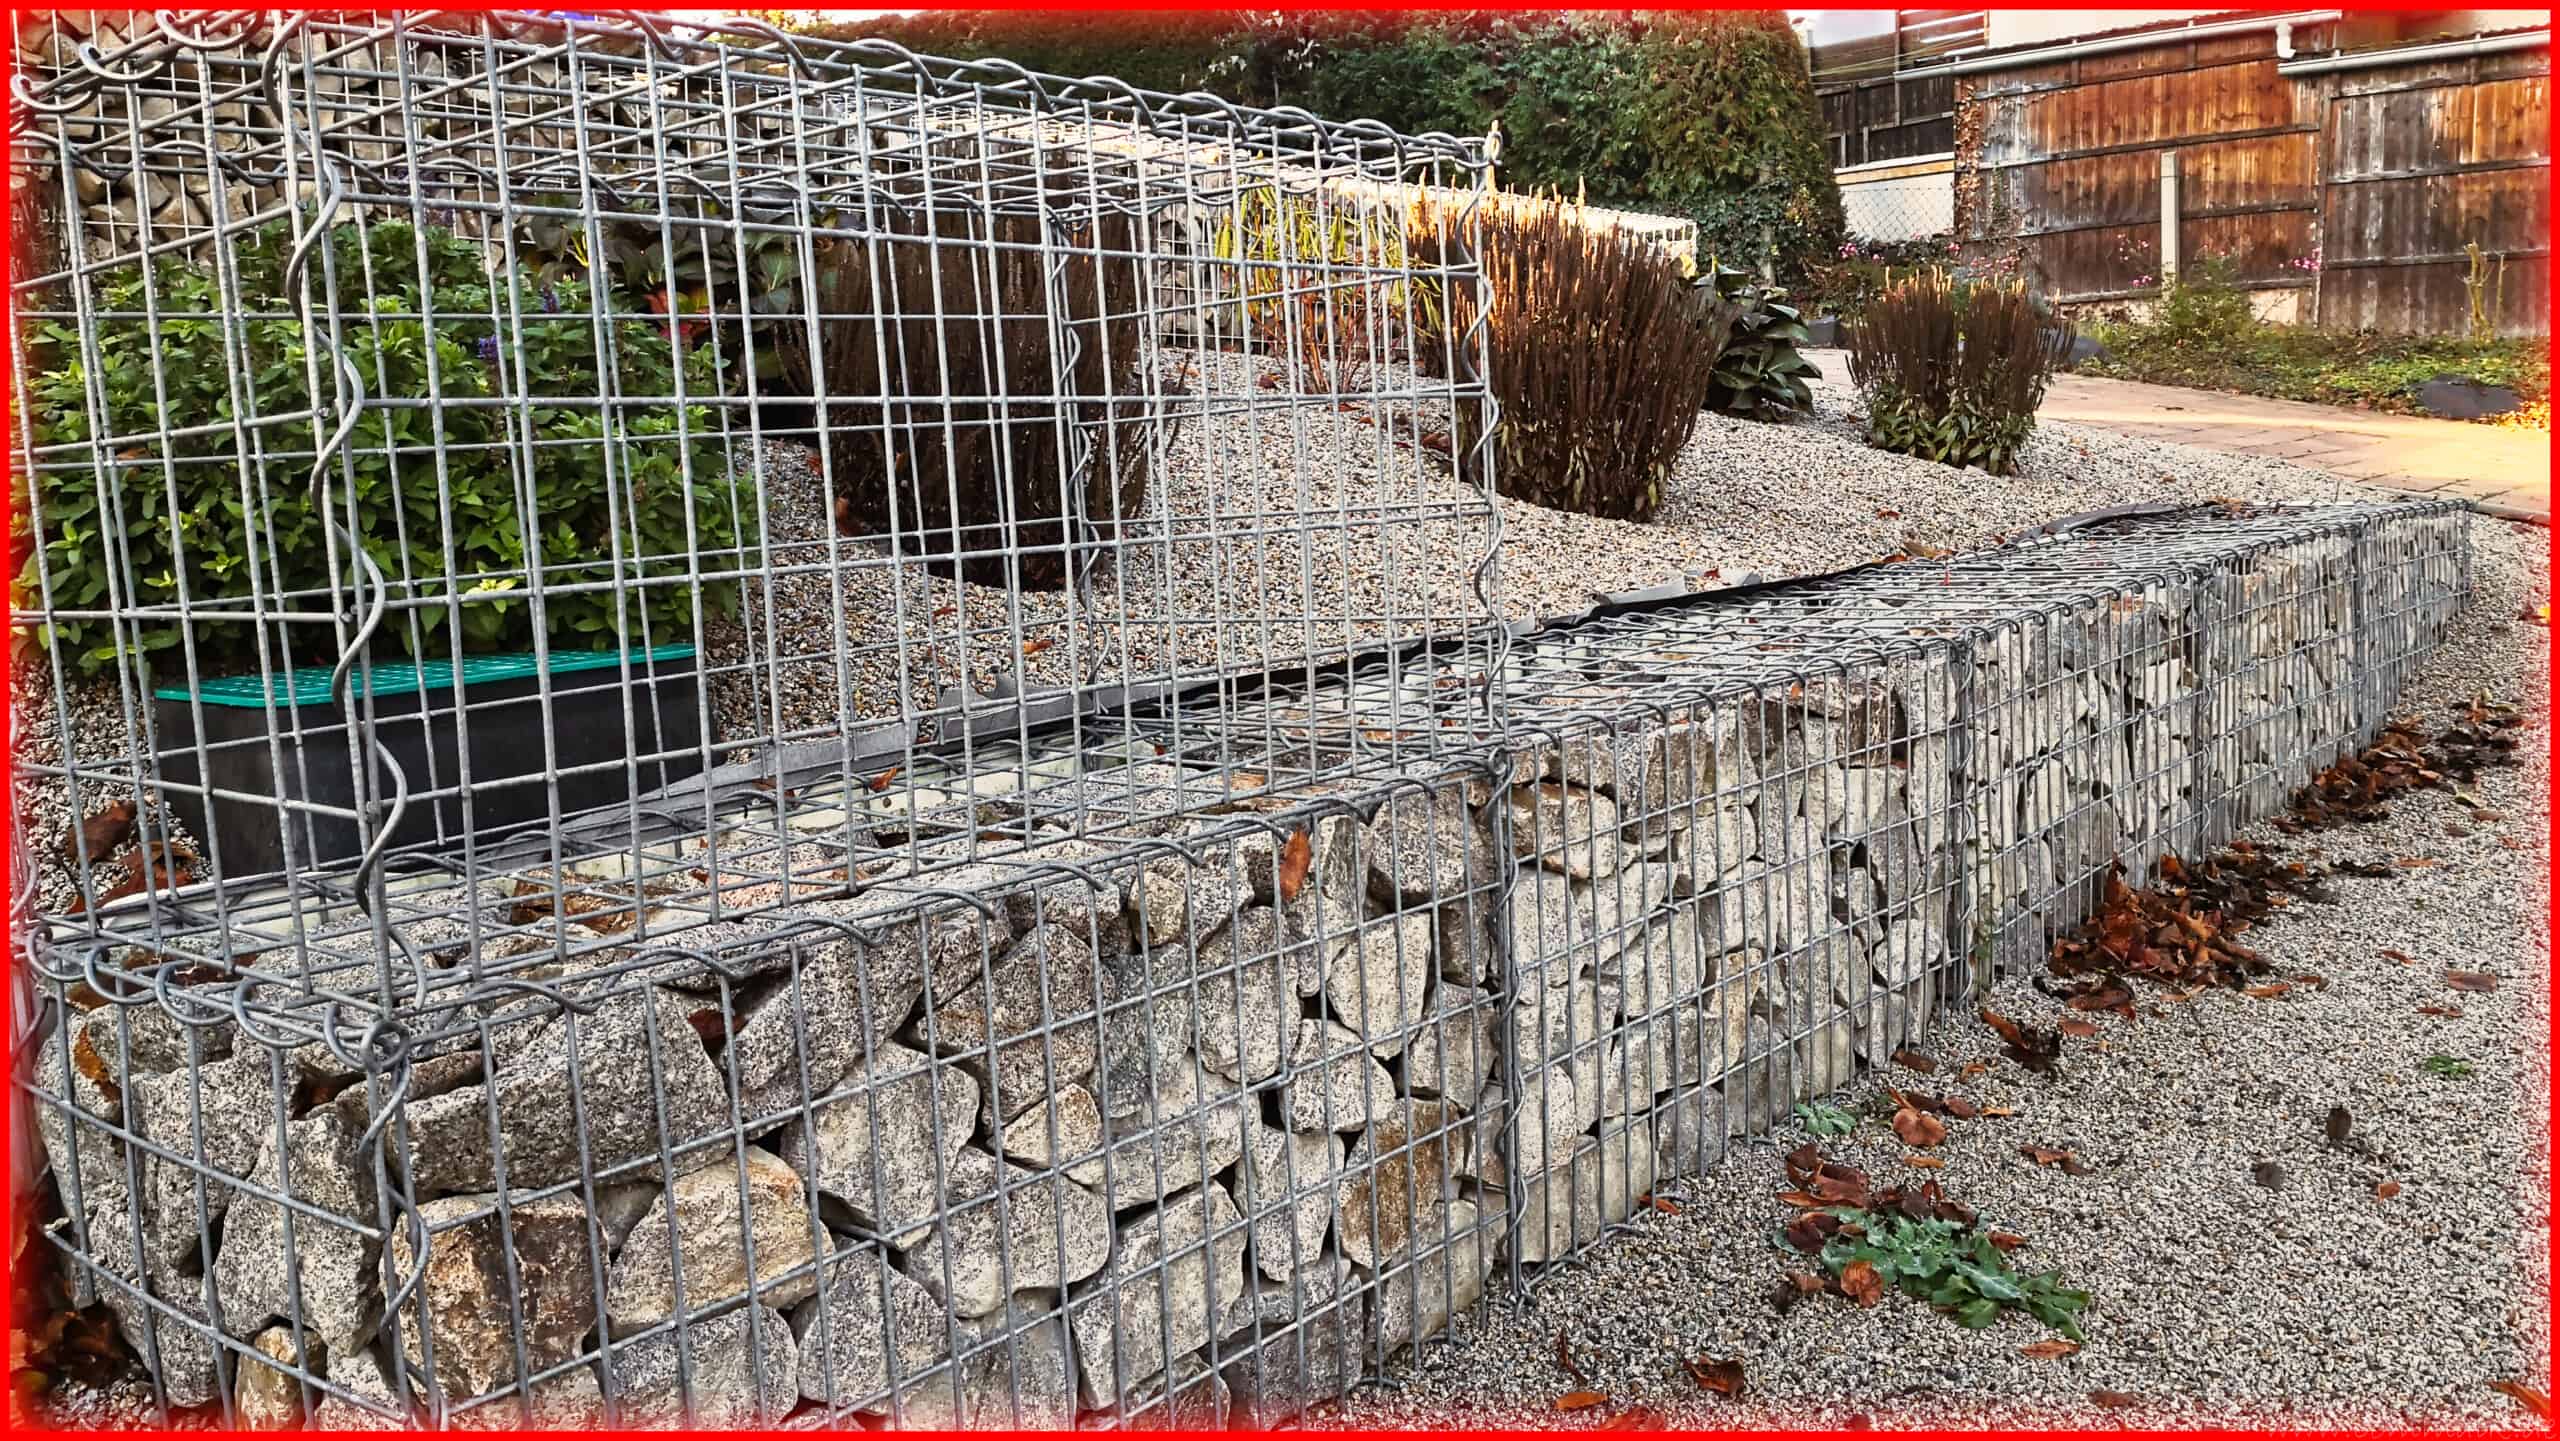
(2215,1300)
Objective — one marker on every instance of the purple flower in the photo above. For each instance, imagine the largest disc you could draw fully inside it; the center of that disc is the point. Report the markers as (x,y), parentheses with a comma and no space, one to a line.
(550,301)
(489,347)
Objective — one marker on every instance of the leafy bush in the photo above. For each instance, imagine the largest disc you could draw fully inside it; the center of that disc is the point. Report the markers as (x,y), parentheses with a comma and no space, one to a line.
(946,423)
(1600,349)
(1952,371)
(1759,375)
(2203,310)
(1863,268)
(1950,1264)
(154,498)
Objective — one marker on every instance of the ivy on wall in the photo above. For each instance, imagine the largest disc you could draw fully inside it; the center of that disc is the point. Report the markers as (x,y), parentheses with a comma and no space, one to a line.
(1705,115)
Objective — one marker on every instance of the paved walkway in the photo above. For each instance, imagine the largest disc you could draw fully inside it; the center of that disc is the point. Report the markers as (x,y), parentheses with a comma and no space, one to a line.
(2507,471)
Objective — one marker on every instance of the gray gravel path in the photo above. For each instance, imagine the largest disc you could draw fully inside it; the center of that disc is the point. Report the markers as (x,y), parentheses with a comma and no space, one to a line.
(2214,1299)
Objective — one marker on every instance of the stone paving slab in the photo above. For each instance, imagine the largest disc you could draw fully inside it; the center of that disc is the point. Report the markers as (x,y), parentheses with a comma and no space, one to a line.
(2506,470)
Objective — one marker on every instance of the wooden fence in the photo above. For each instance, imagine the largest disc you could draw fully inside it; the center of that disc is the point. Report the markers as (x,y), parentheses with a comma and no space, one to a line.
(2346,199)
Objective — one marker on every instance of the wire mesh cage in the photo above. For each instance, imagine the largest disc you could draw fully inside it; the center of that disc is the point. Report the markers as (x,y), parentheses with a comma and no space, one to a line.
(751,732)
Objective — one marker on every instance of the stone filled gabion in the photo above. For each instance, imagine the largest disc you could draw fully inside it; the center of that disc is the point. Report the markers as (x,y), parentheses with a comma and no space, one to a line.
(1209,1120)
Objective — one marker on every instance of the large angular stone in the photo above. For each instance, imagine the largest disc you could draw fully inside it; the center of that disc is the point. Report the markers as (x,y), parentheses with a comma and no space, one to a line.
(700,1226)
(368,1402)
(490,1280)
(1566,829)
(1397,1171)
(1063,1132)
(739,1370)
(1377,983)
(1147,1030)
(1175,900)
(643,1082)
(1188,1129)
(1012,1374)
(1560,926)
(331,1265)
(1034,1013)
(1338,1085)
(1453,1051)
(1452,1259)
(1326,903)
(1286,1185)
(1041,1232)
(1174,1271)
(1249,1013)
(869,1322)
(907,1118)
(1569,1205)
(1091,906)
(1665,968)
(266,1392)
(1426,847)
(1296,1344)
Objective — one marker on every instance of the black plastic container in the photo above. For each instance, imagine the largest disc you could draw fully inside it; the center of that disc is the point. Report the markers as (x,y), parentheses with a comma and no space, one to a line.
(416,719)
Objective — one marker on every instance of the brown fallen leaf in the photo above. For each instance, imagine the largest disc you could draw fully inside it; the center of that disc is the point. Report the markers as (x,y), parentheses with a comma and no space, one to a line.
(1295,856)
(1724,1378)
(1034,647)
(2445,1011)
(1972,1069)
(1862,1283)
(1999,1110)
(1665,1206)
(2270,991)
(1580,1400)
(2531,1399)
(1960,1108)
(2386,1190)
(1926,1163)
(1918,1128)
(2051,1349)
(885,779)
(1920,1061)
(2112,1400)
(2008,1240)
(2471,980)
(96,838)
(1634,1418)
(2402,957)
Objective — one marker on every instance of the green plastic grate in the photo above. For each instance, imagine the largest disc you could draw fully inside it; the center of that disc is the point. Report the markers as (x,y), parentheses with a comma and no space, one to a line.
(310,685)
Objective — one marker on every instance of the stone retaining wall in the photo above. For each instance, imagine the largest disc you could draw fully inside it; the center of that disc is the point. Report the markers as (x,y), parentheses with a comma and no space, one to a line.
(1212,1117)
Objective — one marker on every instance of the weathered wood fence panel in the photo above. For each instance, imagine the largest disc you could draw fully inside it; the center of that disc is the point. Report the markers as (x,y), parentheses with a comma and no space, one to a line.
(2348,198)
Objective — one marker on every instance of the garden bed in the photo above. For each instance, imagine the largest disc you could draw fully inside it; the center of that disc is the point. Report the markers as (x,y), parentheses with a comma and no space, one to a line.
(2367,371)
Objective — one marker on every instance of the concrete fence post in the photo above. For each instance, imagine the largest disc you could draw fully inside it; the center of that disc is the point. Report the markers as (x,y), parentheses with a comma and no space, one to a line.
(2168,217)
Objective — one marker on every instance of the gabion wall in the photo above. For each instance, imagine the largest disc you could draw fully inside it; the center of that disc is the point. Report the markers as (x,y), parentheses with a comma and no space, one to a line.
(1206,1118)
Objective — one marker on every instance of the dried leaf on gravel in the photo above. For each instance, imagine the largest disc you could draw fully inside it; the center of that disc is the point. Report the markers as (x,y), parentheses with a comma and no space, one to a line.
(1580,1400)
(1920,1061)
(2386,1190)
(1926,1163)
(1634,1418)
(2008,1240)
(1862,1284)
(2531,1399)
(1664,1205)
(2445,1011)
(1973,1069)
(2112,1400)
(1918,1128)
(1724,1378)
(2068,1160)
(2471,980)
(2052,1348)
(2271,991)
(1960,1108)
(1565,1361)
(2030,1046)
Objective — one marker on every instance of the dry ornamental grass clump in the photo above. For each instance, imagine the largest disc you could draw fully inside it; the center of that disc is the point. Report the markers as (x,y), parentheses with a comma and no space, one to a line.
(1952,370)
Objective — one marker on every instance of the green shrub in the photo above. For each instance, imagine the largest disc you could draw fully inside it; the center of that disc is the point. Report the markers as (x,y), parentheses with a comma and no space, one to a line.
(1760,374)
(1952,371)
(154,486)
(2202,310)
(1600,350)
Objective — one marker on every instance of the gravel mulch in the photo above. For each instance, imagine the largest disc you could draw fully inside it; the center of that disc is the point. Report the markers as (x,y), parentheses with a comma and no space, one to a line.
(2215,1298)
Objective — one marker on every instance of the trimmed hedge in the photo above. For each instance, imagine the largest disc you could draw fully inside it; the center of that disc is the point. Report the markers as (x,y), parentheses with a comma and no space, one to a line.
(1705,115)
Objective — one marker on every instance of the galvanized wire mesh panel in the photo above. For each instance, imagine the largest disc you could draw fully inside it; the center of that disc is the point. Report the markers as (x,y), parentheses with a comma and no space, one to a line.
(439,438)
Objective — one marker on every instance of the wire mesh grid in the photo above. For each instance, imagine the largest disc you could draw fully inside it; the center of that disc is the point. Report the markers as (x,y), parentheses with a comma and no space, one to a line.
(1199,983)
